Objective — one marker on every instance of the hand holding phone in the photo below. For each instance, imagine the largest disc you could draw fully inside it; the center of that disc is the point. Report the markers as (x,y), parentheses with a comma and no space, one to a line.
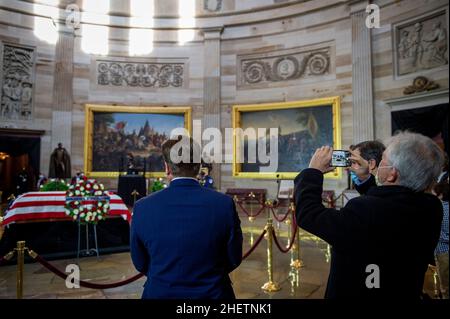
(321,159)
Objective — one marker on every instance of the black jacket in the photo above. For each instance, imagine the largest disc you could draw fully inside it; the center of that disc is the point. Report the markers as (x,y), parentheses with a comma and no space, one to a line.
(391,226)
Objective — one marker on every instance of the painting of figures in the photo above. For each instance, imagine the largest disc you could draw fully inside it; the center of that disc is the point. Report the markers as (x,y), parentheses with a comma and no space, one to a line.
(303,126)
(120,135)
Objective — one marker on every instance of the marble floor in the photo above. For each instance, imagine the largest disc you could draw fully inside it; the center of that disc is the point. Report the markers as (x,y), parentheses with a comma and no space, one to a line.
(306,283)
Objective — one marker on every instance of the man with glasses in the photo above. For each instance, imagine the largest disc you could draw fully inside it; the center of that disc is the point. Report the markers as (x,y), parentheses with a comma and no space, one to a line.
(381,241)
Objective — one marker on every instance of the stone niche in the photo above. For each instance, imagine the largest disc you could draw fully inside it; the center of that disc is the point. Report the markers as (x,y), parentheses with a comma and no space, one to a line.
(17,81)
(421,43)
(140,74)
(314,61)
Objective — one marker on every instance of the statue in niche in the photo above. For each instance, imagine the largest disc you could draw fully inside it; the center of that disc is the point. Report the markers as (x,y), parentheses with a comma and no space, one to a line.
(60,163)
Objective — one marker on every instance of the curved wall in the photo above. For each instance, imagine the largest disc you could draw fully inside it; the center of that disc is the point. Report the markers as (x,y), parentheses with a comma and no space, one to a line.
(214,63)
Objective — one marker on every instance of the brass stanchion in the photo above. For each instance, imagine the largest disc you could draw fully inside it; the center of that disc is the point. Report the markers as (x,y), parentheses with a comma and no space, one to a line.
(134,193)
(270,286)
(251,217)
(20,249)
(297,263)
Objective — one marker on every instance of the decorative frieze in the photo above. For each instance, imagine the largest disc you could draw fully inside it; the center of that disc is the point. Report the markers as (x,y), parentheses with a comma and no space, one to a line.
(284,65)
(17,82)
(140,74)
(421,44)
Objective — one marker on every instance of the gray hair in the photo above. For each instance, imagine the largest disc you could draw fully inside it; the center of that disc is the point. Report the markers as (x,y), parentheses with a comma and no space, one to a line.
(417,158)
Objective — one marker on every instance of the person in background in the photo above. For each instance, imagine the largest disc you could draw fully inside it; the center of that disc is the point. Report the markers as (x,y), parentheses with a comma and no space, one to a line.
(186,238)
(204,177)
(441,252)
(366,157)
(375,234)
(444,174)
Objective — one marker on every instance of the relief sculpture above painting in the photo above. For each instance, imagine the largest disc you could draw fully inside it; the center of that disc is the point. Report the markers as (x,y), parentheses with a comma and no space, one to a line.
(17,82)
(421,44)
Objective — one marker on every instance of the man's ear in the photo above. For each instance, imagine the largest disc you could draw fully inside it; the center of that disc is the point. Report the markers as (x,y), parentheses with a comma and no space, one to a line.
(393,176)
(167,169)
(372,165)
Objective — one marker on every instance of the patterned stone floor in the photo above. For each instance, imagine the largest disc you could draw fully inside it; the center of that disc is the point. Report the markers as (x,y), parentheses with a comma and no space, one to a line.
(307,283)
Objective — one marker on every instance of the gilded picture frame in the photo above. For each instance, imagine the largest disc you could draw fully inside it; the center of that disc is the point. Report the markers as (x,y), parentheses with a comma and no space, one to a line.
(122,130)
(310,122)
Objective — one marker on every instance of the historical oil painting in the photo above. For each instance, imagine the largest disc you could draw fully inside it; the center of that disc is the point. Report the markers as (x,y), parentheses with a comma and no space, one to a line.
(118,135)
(303,126)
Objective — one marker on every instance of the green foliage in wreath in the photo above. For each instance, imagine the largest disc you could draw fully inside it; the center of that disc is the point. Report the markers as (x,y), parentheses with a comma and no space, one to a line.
(54,186)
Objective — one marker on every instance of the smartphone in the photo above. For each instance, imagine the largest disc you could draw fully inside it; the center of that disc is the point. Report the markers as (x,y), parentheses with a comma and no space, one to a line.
(340,158)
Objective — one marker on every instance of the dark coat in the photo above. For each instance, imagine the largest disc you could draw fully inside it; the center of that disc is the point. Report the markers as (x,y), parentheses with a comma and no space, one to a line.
(186,239)
(391,226)
(60,168)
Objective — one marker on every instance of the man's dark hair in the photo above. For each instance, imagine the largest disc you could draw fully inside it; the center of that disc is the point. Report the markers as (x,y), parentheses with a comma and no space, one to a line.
(188,168)
(371,150)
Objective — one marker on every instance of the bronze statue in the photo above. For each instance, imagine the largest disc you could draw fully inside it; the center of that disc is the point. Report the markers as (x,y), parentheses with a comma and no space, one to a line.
(60,163)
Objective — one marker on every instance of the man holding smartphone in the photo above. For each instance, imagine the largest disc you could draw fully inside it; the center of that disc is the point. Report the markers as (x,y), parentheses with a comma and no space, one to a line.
(365,234)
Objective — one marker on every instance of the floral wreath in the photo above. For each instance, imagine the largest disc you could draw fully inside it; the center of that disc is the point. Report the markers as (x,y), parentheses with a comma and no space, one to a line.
(87,201)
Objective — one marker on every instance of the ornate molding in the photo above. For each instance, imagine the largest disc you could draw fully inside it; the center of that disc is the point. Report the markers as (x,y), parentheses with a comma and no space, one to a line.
(421,43)
(17,81)
(420,84)
(114,73)
(285,66)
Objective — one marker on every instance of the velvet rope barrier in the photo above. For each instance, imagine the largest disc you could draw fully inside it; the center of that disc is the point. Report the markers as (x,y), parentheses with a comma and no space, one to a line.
(7,257)
(85,284)
(284,217)
(260,238)
(275,239)
(247,213)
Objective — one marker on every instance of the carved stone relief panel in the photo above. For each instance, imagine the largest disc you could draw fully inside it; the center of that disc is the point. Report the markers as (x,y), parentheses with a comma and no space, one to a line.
(17,82)
(421,44)
(212,5)
(292,64)
(140,74)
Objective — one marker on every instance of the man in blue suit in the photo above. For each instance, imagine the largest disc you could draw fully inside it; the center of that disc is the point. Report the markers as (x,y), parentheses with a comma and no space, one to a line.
(186,238)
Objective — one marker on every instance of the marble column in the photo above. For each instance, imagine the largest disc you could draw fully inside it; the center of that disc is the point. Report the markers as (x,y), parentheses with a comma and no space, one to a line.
(362,85)
(63,90)
(211,87)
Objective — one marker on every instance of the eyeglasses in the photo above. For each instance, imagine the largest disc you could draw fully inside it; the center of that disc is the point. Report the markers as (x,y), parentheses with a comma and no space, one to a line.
(386,166)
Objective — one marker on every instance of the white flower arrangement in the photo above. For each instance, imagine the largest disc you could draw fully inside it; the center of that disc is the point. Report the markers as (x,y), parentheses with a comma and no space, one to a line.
(90,191)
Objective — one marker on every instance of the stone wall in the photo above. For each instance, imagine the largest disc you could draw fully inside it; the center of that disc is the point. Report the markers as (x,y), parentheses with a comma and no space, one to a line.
(231,37)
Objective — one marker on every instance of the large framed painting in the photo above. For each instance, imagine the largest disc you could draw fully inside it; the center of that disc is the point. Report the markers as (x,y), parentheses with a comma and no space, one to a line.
(303,126)
(116,134)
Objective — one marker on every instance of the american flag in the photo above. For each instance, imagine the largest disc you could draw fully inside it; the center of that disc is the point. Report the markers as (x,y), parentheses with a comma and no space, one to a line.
(50,205)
